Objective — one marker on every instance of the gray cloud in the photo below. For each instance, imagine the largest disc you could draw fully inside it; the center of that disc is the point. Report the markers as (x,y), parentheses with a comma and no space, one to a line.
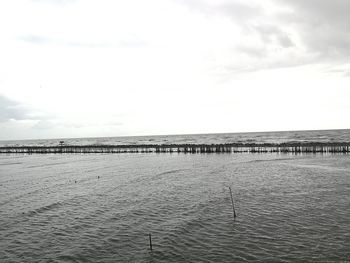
(252,51)
(322,25)
(238,11)
(11,110)
(270,33)
(337,10)
(252,19)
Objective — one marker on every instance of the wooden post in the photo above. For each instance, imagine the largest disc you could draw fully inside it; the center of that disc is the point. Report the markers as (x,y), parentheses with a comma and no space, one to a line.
(233,205)
(150,241)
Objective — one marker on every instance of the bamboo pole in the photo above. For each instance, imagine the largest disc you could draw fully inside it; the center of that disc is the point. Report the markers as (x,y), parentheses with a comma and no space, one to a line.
(233,205)
(150,241)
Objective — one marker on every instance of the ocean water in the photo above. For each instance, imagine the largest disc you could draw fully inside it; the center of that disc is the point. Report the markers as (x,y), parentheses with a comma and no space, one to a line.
(102,207)
(253,137)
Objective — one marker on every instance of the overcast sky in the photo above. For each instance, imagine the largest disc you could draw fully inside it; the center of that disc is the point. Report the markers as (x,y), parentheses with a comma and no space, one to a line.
(79,68)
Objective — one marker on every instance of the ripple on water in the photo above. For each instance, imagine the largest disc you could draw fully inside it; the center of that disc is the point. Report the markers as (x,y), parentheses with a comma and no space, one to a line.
(289,209)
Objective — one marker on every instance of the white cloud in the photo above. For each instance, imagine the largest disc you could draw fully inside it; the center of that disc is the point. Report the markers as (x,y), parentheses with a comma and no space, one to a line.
(104,68)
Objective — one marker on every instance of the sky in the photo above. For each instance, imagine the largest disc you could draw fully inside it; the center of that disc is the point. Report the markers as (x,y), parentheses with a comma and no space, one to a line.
(95,68)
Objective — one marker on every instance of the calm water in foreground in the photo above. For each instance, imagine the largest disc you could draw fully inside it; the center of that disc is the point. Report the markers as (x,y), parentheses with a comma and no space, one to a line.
(290,208)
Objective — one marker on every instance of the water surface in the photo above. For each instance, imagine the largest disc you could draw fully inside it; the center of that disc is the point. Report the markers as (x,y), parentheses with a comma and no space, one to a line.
(253,137)
(54,208)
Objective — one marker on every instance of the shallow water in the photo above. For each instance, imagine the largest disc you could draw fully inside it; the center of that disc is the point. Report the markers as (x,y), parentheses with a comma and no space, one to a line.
(290,208)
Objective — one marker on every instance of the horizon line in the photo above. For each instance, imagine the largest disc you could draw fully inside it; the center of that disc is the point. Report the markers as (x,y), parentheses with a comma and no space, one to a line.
(180,134)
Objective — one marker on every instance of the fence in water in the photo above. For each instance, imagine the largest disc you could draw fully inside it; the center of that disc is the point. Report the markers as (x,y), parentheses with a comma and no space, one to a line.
(184,148)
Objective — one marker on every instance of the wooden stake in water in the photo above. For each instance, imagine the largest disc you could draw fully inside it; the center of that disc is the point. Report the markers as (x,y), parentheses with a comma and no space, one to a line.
(233,205)
(150,242)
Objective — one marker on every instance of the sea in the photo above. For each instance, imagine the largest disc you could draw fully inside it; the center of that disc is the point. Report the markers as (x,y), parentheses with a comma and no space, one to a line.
(108,207)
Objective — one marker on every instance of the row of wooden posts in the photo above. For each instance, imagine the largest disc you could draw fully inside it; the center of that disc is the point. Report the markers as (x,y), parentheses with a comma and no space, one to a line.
(182,148)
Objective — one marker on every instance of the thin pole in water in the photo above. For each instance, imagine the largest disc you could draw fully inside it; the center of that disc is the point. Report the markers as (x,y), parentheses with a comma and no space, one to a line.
(233,205)
(150,242)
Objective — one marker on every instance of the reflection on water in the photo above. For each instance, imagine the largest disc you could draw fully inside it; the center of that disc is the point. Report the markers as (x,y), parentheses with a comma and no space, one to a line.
(290,208)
